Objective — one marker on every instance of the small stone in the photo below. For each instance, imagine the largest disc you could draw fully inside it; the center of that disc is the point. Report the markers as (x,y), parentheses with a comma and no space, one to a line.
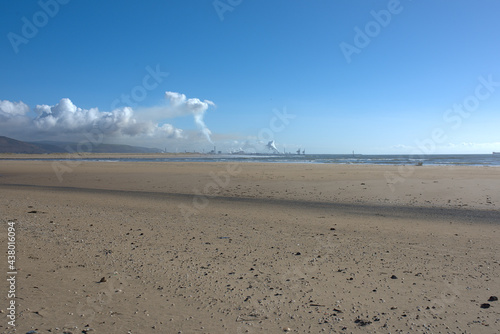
(332,228)
(493,299)
(102,280)
(298,253)
(287,329)
(394,277)
(362,322)
(485,305)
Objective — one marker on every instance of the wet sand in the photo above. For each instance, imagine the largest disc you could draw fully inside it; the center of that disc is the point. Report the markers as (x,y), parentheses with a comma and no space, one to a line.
(251,248)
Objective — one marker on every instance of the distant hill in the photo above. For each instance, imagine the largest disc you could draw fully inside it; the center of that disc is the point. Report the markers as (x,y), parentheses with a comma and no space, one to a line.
(9,145)
(64,147)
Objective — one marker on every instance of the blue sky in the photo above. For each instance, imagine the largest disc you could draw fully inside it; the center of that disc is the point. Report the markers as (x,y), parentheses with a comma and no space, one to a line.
(370,76)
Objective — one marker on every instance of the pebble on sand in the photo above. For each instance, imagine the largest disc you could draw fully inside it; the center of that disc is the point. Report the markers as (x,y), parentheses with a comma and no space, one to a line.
(362,322)
(485,305)
(493,299)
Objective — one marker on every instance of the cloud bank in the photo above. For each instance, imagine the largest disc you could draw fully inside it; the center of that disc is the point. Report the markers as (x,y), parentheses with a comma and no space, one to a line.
(65,120)
(65,117)
(10,110)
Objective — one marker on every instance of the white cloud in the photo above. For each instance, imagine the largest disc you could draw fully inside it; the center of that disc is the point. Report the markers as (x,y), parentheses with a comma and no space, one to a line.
(170,131)
(65,117)
(65,120)
(10,109)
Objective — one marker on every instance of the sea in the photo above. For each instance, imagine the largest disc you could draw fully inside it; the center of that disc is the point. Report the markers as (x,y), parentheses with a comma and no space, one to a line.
(492,160)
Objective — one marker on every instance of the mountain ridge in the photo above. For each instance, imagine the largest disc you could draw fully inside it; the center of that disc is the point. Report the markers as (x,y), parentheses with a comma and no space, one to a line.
(11,145)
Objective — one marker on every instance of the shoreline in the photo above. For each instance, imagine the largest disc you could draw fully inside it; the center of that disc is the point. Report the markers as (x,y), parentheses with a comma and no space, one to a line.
(402,161)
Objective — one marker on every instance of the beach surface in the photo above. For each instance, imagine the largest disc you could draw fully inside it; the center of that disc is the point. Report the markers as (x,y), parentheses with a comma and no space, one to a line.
(198,247)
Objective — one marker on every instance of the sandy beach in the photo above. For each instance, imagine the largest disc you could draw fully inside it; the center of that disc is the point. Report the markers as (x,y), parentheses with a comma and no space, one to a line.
(192,247)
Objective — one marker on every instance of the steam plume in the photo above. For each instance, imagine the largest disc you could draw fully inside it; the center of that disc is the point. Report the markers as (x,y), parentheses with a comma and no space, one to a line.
(180,105)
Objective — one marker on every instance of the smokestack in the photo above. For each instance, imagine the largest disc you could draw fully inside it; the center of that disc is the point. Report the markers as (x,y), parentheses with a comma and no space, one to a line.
(272,146)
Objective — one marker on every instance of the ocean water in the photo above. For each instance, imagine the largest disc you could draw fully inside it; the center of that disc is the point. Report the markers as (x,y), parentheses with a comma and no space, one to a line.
(358,159)
(434,159)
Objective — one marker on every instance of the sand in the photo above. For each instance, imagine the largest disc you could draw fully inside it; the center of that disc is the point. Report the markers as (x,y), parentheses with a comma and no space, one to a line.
(141,247)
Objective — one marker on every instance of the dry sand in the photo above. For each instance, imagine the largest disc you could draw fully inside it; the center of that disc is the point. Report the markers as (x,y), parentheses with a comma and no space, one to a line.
(251,248)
